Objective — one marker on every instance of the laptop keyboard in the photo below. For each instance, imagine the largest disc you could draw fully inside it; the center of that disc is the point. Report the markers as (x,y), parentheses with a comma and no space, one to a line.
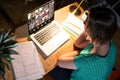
(47,34)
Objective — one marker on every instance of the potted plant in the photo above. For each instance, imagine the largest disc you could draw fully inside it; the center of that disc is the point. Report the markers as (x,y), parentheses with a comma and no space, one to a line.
(7,42)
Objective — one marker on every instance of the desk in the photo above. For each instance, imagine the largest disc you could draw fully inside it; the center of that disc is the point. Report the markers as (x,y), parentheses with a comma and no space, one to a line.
(50,62)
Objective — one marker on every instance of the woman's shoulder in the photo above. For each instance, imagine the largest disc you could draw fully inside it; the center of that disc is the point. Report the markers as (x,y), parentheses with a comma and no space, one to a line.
(112,46)
(87,49)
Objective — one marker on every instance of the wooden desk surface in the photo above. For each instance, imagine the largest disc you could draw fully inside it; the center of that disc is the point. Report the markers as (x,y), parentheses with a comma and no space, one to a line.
(50,62)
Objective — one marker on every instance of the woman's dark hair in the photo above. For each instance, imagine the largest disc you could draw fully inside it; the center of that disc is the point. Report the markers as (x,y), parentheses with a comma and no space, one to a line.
(101,24)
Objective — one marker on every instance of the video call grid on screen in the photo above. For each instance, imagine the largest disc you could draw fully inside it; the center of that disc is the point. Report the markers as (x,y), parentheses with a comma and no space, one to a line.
(40,17)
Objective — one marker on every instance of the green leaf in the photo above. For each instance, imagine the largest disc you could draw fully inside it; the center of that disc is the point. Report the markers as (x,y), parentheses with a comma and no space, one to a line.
(11,46)
(12,51)
(8,52)
(7,34)
(9,59)
(5,56)
(12,42)
(9,39)
(1,38)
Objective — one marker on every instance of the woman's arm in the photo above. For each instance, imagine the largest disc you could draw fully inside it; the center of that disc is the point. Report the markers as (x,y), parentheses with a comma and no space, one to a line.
(81,41)
(67,60)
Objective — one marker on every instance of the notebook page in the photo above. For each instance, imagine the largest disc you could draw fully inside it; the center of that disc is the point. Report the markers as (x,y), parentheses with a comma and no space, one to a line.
(27,65)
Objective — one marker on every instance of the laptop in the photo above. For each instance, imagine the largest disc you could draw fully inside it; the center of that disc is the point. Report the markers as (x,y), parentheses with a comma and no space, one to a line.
(44,31)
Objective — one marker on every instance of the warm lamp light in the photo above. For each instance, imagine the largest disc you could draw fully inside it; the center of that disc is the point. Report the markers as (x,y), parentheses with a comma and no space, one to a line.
(76,9)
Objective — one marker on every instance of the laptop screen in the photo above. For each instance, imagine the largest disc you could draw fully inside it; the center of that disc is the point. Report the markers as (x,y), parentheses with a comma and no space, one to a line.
(40,17)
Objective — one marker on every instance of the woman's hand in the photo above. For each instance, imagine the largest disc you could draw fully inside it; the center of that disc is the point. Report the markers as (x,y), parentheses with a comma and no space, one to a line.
(81,41)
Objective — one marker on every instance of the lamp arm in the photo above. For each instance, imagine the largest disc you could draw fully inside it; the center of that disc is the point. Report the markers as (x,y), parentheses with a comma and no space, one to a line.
(78,6)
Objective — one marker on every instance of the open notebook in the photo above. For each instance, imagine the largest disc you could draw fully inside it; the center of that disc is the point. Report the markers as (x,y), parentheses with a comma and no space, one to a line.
(44,31)
(27,64)
(73,25)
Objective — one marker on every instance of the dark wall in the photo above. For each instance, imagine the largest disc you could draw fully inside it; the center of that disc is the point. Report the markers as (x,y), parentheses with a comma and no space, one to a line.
(61,3)
(13,12)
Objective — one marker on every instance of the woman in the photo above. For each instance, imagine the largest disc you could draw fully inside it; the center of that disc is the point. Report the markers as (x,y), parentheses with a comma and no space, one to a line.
(97,57)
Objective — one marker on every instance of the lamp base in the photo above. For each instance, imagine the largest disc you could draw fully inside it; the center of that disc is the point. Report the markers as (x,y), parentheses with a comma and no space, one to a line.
(73,7)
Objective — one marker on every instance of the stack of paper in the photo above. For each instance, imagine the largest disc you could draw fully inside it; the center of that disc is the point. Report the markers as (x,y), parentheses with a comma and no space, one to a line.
(73,25)
(27,65)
